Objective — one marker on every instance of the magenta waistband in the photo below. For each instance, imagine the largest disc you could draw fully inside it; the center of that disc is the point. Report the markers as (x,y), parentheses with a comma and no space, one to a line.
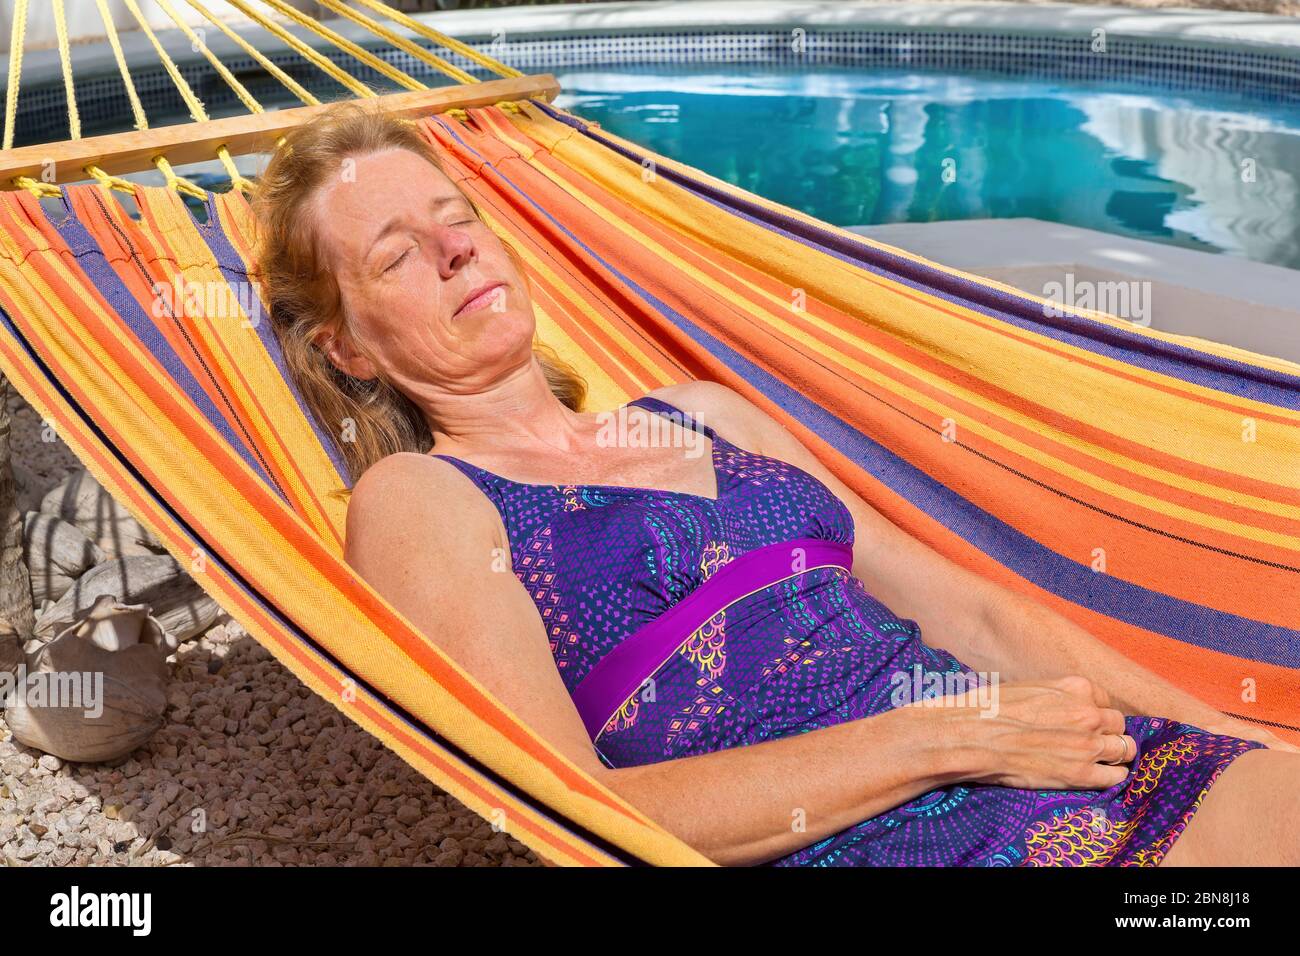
(621,672)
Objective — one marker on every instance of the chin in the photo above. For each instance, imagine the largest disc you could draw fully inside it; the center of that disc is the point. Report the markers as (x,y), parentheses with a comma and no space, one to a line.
(503,334)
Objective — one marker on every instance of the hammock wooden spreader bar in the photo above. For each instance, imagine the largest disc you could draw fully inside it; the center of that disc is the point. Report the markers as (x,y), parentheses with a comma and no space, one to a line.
(105,159)
(119,153)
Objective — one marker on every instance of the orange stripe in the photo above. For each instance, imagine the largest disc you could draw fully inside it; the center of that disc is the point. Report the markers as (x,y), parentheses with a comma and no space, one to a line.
(195,352)
(293,481)
(1242,513)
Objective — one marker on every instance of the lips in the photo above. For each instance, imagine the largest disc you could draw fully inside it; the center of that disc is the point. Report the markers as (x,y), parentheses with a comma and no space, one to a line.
(480,297)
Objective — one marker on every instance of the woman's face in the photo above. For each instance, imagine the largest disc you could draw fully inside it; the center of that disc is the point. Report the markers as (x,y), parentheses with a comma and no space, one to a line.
(424,282)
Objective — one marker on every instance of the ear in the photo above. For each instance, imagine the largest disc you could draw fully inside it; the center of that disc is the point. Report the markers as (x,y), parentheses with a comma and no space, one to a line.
(344,356)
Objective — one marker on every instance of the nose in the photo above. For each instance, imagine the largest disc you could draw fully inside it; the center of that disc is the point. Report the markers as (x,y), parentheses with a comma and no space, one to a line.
(455,250)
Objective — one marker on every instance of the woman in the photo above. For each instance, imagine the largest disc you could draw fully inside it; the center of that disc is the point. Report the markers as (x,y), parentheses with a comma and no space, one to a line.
(783,726)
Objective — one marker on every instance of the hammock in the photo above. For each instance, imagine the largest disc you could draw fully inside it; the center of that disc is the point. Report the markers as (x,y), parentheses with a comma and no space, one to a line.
(1140,483)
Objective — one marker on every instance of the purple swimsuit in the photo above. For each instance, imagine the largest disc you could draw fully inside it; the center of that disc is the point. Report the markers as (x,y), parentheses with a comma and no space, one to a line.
(811,650)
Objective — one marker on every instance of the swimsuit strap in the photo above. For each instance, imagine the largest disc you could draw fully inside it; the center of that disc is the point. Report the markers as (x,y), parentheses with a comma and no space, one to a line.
(661,407)
(473,472)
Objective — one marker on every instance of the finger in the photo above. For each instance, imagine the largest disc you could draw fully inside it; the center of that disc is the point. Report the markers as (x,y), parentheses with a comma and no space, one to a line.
(1112,721)
(1102,777)
(1117,749)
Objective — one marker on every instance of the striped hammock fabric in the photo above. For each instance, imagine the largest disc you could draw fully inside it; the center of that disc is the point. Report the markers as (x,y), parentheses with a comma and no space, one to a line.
(1142,484)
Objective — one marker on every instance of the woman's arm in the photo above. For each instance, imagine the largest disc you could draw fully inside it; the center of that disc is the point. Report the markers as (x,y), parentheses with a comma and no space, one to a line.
(987,627)
(433,546)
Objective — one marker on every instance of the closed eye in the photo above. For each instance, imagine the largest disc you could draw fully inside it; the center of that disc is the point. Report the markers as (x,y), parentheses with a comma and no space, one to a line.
(398,261)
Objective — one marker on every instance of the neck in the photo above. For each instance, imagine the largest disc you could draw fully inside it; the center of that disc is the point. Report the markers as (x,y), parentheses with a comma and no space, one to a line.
(516,412)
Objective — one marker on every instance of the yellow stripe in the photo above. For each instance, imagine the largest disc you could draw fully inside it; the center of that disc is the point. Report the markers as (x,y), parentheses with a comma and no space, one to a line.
(236,351)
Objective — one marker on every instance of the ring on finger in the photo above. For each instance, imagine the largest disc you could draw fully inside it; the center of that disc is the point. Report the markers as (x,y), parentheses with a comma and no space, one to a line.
(1125,758)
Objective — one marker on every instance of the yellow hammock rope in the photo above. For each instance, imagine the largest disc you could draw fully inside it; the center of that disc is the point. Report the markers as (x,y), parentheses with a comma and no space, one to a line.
(441,39)
(17,39)
(137,109)
(329,68)
(195,106)
(197,112)
(343,43)
(198,44)
(379,30)
(296,88)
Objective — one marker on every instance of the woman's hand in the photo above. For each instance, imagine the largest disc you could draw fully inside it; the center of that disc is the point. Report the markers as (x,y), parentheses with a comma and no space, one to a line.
(1056,734)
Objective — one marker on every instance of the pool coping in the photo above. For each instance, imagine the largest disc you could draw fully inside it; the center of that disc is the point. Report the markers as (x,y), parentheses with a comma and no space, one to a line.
(1251,32)
(1215,29)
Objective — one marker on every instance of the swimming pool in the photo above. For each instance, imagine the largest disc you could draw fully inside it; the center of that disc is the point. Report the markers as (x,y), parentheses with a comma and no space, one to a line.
(1208,170)
(1182,128)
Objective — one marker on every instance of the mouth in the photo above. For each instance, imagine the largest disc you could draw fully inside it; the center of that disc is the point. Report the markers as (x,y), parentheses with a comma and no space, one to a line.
(480,297)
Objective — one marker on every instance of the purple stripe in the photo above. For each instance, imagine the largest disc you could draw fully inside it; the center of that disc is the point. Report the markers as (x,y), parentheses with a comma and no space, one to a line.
(232,268)
(619,674)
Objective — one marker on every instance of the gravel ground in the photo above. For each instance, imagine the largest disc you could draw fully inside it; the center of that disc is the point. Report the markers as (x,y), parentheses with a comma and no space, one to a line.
(250,767)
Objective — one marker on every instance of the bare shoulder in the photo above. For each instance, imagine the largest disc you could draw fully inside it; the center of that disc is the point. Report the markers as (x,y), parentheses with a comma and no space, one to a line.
(409,496)
(726,411)
(404,479)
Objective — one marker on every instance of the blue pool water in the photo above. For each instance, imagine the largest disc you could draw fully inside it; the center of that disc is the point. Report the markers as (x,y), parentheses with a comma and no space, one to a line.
(854,147)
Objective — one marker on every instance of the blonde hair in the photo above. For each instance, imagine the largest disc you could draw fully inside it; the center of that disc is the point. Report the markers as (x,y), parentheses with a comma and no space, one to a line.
(305,300)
